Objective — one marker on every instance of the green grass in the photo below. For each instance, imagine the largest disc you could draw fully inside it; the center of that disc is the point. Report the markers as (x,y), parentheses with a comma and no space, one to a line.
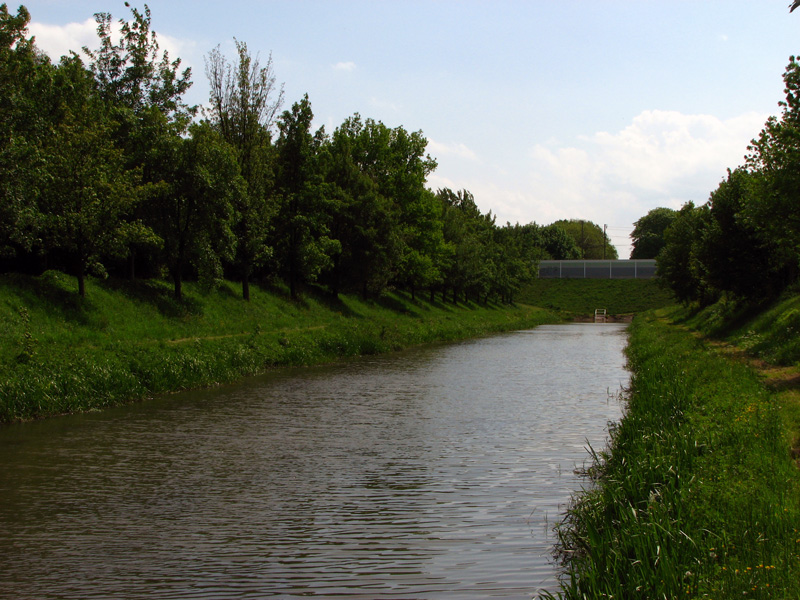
(698,494)
(583,296)
(127,341)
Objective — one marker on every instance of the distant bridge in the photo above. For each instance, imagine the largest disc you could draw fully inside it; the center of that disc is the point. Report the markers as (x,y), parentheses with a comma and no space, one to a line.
(597,269)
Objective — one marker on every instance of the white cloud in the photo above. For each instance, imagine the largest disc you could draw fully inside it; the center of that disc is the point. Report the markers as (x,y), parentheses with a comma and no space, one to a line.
(438,149)
(344,66)
(385,104)
(663,158)
(59,40)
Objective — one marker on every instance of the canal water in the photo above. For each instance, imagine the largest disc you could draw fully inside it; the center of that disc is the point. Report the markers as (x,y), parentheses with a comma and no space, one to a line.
(434,473)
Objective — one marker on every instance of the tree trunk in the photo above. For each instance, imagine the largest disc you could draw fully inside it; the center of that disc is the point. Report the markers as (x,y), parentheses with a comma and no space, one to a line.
(81,271)
(132,265)
(334,286)
(246,287)
(177,284)
(293,268)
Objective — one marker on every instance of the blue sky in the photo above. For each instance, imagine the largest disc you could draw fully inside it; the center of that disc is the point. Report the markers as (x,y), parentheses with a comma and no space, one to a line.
(543,109)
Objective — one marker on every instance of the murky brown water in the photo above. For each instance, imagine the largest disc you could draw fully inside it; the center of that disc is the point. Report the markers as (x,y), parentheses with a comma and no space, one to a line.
(436,473)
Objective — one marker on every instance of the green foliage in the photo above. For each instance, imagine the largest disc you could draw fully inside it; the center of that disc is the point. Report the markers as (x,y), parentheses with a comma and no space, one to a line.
(388,223)
(133,74)
(590,238)
(774,159)
(244,103)
(676,262)
(735,257)
(196,213)
(557,244)
(648,233)
(26,99)
(469,233)
(301,236)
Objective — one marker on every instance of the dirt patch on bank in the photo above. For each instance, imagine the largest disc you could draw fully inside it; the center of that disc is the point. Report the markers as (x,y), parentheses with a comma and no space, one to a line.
(778,378)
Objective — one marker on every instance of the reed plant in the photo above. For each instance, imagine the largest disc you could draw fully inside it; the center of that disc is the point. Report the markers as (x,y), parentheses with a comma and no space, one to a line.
(126,341)
(697,494)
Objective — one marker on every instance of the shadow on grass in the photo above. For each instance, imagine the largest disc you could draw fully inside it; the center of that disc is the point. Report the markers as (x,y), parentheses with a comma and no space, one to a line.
(52,293)
(158,294)
(398,303)
(331,301)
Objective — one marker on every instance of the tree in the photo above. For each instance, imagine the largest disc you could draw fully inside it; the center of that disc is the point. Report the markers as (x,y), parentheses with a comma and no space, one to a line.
(648,232)
(734,256)
(87,187)
(134,74)
(415,207)
(515,257)
(388,222)
(677,264)
(424,243)
(774,162)
(26,80)
(304,245)
(145,89)
(558,244)
(467,233)
(590,238)
(193,215)
(360,219)
(244,102)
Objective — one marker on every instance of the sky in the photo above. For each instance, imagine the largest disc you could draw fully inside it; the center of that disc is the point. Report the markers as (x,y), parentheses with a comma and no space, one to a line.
(543,109)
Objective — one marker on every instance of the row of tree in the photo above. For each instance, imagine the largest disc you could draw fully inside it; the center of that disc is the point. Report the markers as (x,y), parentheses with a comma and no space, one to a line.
(745,240)
(103,167)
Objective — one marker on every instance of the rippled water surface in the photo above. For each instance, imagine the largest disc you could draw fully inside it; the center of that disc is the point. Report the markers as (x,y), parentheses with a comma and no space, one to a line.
(436,473)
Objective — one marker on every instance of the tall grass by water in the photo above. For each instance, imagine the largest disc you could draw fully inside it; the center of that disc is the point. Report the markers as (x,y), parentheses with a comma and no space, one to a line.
(698,493)
(127,341)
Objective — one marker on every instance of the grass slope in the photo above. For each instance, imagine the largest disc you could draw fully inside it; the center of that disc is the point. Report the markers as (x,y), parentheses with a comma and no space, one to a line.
(127,341)
(583,296)
(771,333)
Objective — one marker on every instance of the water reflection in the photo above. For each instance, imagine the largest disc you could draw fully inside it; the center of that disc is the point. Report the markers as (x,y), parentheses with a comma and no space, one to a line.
(435,473)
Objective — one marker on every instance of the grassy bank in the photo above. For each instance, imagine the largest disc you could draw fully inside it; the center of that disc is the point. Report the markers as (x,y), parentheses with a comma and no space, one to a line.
(583,296)
(127,341)
(769,332)
(698,495)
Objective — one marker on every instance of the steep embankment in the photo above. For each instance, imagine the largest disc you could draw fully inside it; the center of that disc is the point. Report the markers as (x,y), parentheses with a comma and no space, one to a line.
(698,495)
(127,341)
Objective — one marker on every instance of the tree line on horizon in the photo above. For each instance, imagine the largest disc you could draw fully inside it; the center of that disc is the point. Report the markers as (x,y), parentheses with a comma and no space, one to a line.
(744,242)
(104,169)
